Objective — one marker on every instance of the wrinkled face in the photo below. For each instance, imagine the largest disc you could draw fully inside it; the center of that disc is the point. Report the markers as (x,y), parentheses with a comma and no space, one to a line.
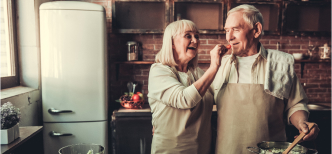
(238,33)
(185,46)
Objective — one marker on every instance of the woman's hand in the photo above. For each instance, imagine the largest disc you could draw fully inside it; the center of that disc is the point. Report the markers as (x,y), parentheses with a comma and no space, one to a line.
(216,54)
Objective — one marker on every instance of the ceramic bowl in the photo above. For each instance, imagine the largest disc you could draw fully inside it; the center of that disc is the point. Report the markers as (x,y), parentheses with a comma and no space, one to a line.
(298,56)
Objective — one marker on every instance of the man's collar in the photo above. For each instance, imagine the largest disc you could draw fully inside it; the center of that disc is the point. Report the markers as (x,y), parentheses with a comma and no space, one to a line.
(263,51)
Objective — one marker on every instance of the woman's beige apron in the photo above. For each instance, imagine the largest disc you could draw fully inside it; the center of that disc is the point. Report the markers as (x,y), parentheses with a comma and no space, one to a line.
(184,131)
(246,116)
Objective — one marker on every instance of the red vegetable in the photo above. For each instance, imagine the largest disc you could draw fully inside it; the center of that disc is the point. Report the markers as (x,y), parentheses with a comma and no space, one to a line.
(228,46)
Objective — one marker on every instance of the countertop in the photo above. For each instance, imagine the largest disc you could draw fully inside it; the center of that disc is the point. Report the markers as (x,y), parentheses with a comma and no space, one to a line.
(25,134)
(146,111)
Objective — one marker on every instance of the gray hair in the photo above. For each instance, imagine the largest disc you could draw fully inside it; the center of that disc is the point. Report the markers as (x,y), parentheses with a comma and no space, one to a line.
(165,55)
(250,14)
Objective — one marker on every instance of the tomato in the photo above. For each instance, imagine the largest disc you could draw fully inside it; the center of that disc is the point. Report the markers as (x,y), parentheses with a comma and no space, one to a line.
(136,97)
(228,46)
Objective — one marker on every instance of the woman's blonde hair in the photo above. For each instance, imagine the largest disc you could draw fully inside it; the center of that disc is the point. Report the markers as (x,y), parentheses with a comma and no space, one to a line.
(250,14)
(165,55)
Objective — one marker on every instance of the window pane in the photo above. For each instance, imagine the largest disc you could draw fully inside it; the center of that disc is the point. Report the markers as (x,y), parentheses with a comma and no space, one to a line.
(7,51)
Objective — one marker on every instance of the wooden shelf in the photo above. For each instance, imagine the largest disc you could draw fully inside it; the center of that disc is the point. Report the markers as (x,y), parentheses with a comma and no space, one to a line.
(208,62)
(314,61)
(151,62)
(134,62)
(311,61)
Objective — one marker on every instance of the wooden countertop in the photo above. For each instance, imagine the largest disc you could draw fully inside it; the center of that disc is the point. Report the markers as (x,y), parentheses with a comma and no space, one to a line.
(25,134)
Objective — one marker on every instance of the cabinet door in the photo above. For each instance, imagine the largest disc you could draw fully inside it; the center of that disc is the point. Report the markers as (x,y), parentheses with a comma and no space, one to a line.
(207,15)
(140,16)
(307,18)
(132,135)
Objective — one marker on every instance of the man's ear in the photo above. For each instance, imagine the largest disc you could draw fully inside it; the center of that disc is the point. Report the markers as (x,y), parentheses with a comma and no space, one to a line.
(258,29)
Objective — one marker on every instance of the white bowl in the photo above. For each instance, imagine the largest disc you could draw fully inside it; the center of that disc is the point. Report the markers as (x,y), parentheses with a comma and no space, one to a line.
(298,56)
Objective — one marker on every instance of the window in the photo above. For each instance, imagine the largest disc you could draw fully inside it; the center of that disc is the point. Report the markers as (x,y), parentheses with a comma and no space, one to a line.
(9,69)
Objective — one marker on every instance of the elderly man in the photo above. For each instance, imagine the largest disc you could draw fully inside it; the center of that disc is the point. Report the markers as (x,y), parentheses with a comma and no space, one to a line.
(256,90)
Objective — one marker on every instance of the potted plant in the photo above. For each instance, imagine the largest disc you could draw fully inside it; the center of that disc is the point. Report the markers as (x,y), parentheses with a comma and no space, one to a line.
(10,116)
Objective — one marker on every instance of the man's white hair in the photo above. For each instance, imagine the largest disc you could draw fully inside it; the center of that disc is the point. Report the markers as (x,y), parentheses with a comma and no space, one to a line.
(251,15)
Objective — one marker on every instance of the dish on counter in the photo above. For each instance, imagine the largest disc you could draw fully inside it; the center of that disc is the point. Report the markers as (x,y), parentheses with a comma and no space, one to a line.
(298,56)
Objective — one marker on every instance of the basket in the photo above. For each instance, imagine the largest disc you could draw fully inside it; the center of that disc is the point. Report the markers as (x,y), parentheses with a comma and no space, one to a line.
(132,104)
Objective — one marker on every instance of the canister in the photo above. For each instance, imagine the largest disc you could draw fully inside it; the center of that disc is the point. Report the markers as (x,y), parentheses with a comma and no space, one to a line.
(132,53)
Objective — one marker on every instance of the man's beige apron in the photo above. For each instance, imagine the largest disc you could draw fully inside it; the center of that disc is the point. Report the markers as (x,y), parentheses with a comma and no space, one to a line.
(246,116)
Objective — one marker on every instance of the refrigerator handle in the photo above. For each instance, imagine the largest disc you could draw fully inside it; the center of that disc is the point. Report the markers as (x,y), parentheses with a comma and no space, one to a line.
(55,111)
(55,134)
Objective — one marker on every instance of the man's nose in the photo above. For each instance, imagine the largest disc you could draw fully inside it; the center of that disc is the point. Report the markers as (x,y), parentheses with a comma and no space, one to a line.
(230,36)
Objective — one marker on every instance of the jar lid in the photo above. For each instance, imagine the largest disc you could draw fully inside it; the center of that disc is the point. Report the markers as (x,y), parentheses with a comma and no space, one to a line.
(131,43)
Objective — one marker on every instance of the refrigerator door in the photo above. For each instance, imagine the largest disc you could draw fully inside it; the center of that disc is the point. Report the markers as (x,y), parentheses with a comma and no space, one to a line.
(74,65)
(58,135)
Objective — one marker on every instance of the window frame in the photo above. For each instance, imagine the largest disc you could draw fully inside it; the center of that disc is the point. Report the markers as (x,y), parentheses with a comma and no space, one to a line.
(12,81)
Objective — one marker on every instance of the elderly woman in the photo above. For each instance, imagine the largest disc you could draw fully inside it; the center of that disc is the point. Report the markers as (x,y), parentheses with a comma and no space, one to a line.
(179,92)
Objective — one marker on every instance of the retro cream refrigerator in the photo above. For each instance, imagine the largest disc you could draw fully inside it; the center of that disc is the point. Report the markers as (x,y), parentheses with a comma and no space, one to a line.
(74,74)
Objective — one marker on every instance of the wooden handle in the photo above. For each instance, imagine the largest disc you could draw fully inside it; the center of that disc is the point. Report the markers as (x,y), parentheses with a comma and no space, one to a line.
(311,125)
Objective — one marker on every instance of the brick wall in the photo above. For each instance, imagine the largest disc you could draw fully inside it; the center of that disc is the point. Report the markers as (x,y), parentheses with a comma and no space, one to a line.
(316,76)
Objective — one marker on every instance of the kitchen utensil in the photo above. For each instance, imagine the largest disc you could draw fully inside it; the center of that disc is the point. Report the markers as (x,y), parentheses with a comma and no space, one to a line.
(325,52)
(134,86)
(266,147)
(132,51)
(310,126)
(129,86)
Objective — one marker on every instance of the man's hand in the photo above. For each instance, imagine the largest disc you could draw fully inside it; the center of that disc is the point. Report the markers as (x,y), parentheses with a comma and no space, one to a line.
(299,120)
(303,127)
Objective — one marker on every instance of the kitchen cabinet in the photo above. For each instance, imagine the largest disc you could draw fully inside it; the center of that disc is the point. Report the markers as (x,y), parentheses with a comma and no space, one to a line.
(152,16)
(208,15)
(131,131)
(306,18)
(140,16)
(281,17)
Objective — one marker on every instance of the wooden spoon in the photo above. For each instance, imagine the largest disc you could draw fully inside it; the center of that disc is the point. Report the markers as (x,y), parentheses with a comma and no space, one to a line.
(290,147)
